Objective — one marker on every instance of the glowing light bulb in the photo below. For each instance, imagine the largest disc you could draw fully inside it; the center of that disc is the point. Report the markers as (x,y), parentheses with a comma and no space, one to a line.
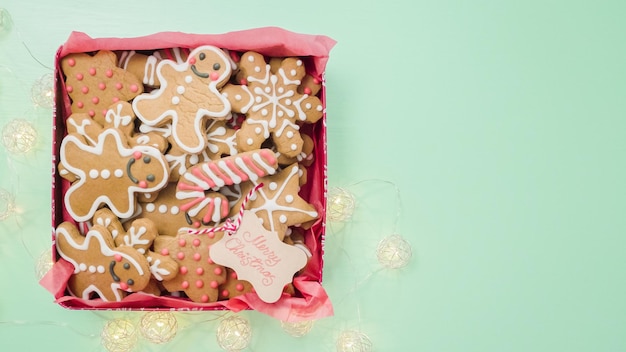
(394,252)
(158,327)
(297,329)
(234,333)
(5,21)
(119,335)
(7,204)
(44,263)
(340,205)
(42,91)
(353,341)
(19,136)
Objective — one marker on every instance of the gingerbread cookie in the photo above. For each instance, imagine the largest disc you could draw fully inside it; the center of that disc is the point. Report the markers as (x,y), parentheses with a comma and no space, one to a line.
(109,173)
(188,96)
(95,82)
(198,276)
(272,104)
(175,211)
(144,66)
(278,204)
(99,266)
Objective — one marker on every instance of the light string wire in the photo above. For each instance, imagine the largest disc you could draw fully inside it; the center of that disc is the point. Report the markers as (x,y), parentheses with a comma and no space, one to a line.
(394,227)
(13,27)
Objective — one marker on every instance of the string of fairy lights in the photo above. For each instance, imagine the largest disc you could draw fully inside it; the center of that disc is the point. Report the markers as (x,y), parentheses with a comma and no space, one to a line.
(233,331)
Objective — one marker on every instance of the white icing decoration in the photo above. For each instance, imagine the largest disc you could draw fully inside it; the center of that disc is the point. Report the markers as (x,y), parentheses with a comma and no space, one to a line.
(258,130)
(157,271)
(126,200)
(289,198)
(93,173)
(82,266)
(175,100)
(180,90)
(150,207)
(293,72)
(188,79)
(294,147)
(238,97)
(299,62)
(92,268)
(174,210)
(118,173)
(162,208)
(250,141)
(150,70)
(289,134)
(282,219)
(116,118)
(100,269)
(273,186)
(133,237)
(257,69)
(105,174)
(250,58)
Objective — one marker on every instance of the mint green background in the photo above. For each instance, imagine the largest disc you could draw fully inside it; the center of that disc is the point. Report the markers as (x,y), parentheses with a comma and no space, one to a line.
(500,123)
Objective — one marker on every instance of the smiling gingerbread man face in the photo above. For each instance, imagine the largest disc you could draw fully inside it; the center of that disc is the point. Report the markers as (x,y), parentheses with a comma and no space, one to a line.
(187,97)
(100,267)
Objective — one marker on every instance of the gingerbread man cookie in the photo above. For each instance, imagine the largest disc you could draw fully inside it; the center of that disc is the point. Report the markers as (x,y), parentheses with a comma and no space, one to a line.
(109,173)
(99,266)
(188,96)
(272,104)
(95,82)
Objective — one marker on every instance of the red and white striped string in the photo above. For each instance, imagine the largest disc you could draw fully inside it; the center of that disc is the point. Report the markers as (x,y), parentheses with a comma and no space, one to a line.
(229,226)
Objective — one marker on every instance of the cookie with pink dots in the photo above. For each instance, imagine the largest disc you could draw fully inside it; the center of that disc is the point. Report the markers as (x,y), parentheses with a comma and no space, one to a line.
(199,277)
(100,267)
(95,82)
(273,106)
(109,173)
(188,96)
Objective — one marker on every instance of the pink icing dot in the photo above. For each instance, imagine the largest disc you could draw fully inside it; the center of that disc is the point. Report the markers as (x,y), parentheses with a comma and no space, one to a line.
(137,155)
(199,284)
(233,275)
(196,224)
(307,90)
(118,85)
(102,86)
(243,82)
(196,242)
(124,286)
(109,73)
(79,76)
(95,100)
(211,234)
(214,284)
(225,293)
(134,88)
(214,76)
(180,255)
(142,184)
(92,71)
(204,298)
(69,89)
(183,270)
(239,287)
(104,112)
(199,271)
(182,242)
(218,271)
(80,104)
(192,61)
(197,256)
(92,113)
(71,62)
(210,261)
(118,258)
(184,284)
(85,89)
(116,99)
(165,251)
(316,80)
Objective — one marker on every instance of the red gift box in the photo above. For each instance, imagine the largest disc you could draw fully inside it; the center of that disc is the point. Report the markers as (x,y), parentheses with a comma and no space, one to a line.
(310,300)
